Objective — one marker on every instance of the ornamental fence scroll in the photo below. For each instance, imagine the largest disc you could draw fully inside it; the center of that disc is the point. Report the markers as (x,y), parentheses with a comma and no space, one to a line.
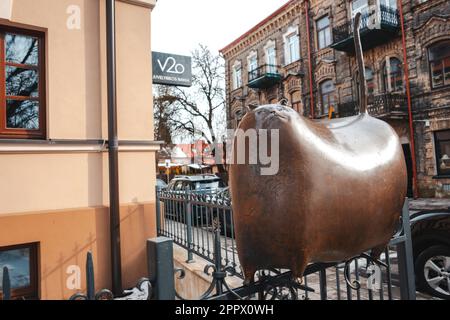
(202,224)
(142,291)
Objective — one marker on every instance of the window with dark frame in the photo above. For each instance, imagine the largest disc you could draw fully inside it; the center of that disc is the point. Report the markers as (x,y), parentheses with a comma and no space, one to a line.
(442,147)
(323,32)
(393,76)
(327,96)
(369,76)
(439,60)
(22,83)
(22,263)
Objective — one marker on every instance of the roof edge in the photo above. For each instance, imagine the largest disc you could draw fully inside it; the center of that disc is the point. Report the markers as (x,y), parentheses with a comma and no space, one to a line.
(261,23)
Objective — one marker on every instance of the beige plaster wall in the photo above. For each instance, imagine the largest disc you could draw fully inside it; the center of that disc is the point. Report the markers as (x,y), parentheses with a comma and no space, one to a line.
(65,237)
(77,108)
(76,67)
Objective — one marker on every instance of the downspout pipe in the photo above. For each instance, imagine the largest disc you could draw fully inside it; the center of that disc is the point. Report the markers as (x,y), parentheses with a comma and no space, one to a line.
(113,149)
(308,35)
(408,95)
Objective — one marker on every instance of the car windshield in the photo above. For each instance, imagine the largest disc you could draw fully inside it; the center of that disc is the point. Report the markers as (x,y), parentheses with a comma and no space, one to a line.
(160,183)
(208,185)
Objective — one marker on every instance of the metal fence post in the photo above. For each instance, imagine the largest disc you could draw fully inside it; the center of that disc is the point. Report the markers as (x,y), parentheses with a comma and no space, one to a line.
(161,267)
(405,259)
(323,284)
(6,284)
(218,260)
(90,280)
(158,213)
(188,212)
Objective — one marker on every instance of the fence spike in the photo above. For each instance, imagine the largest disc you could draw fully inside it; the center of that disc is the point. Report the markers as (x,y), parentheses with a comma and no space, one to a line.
(90,280)
(6,284)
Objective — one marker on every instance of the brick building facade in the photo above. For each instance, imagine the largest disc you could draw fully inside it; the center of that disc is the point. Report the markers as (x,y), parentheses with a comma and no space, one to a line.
(310,63)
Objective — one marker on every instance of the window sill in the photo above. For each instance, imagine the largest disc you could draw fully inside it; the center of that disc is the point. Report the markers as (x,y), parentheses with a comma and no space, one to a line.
(439,89)
(290,64)
(439,177)
(236,89)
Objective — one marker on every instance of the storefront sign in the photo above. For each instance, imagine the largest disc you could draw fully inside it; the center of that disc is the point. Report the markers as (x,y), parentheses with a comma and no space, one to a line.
(171,69)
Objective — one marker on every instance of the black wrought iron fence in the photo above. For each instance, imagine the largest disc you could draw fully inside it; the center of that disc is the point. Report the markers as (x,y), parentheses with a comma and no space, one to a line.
(262,70)
(389,17)
(378,105)
(202,223)
(190,218)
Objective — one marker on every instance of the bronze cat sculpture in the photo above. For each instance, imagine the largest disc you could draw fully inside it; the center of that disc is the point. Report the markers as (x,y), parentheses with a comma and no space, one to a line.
(339,190)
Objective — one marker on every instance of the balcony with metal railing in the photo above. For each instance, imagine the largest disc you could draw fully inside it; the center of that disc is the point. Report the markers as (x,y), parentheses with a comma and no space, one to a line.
(264,77)
(386,105)
(377,27)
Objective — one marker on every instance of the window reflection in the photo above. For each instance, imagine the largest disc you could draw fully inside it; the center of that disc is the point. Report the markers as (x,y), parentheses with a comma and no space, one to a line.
(18,263)
(21,74)
(439,59)
(327,95)
(442,143)
(22,49)
(21,82)
(22,114)
(392,76)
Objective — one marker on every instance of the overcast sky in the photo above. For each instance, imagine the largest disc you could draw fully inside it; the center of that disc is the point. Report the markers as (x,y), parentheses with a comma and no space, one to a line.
(178,26)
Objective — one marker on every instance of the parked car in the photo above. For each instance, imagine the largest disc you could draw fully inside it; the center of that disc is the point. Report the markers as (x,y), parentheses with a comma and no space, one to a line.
(430,230)
(200,183)
(161,184)
(205,186)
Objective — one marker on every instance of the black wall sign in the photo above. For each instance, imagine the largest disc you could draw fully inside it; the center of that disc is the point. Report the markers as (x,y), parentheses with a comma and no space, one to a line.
(172,69)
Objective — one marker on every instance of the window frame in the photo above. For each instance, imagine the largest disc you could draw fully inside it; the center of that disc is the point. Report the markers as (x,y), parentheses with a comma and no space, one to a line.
(292,32)
(252,72)
(438,153)
(324,29)
(370,82)
(253,56)
(270,51)
(21,133)
(386,76)
(362,9)
(429,61)
(237,70)
(328,94)
(31,292)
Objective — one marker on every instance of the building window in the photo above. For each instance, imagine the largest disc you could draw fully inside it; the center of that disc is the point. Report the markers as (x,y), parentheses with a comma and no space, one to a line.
(22,265)
(389,3)
(296,99)
(442,145)
(392,75)
(271,59)
(22,104)
(237,76)
(253,66)
(292,46)
(361,6)
(369,81)
(439,59)
(323,32)
(326,96)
